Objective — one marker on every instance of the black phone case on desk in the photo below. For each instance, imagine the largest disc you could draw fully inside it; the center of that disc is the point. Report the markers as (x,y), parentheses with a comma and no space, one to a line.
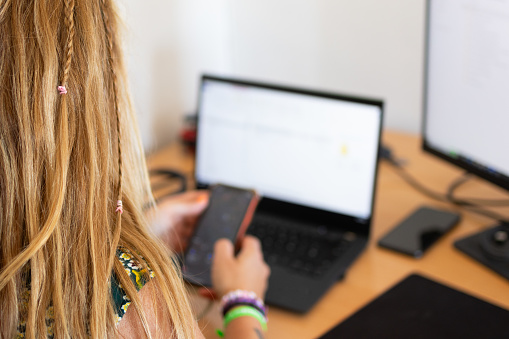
(421,229)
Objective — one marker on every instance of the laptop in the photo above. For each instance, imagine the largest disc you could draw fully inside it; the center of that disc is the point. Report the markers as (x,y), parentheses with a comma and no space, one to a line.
(312,157)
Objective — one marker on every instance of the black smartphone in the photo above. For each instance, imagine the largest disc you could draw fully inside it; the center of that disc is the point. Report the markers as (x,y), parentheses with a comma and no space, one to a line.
(228,215)
(417,232)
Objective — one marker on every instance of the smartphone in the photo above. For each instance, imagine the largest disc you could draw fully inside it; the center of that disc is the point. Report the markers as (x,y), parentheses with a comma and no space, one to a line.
(417,232)
(228,215)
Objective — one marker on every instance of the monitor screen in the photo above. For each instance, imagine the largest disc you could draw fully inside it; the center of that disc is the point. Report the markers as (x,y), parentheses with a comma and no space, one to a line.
(311,149)
(466,102)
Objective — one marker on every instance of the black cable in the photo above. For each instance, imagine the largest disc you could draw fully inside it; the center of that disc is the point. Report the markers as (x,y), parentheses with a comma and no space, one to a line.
(448,197)
(170,176)
(472,201)
(417,185)
(455,184)
(487,213)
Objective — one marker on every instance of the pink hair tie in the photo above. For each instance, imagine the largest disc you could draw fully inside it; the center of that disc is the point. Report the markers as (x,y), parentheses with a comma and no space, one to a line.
(119,207)
(62,90)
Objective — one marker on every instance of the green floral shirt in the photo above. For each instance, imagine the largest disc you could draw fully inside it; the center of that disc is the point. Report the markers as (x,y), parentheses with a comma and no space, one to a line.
(120,299)
(138,277)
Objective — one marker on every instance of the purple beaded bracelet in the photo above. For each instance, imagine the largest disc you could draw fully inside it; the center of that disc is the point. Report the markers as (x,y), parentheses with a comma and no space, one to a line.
(240,297)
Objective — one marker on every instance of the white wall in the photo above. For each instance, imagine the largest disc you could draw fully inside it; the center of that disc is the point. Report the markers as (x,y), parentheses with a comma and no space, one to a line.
(366,47)
(170,42)
(372,48)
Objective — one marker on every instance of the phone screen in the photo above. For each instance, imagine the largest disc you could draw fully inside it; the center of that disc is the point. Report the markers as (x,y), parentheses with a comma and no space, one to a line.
(227,216)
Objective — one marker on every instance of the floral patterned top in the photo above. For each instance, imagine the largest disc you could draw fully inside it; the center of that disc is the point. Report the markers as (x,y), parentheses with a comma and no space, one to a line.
(120,299)
(138,277)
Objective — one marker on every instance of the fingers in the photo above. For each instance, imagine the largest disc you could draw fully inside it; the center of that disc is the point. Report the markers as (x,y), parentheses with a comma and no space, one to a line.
(192,210)
(247,271)
(250,245)
(196,196)
(251,242)
(223,250)
(192,206)
(199,197)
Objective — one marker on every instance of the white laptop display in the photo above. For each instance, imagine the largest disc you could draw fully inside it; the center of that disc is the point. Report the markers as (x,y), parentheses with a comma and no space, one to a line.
(312,157)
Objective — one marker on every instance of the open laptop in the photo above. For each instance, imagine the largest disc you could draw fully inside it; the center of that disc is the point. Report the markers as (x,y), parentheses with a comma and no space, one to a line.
(312,157)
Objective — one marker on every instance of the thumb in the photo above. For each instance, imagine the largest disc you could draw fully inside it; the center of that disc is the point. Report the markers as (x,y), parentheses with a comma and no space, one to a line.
(223,250)
(250,246)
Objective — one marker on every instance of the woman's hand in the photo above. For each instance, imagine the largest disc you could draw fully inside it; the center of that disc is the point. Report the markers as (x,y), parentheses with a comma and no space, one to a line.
(246,271)
(175,219)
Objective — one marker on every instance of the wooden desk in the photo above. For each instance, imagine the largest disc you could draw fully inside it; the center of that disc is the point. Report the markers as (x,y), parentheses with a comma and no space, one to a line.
(377,269)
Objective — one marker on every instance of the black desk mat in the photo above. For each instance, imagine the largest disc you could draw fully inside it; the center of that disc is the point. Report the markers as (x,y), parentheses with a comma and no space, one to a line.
(421,308)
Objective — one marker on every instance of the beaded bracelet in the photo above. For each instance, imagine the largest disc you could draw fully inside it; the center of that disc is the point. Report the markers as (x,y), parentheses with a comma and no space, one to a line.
(241,297)
(243,311)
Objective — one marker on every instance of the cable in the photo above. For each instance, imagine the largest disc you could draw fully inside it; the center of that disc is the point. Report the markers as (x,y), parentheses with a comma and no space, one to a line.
(448,197)
(170,176)
(472,201)
(418,186)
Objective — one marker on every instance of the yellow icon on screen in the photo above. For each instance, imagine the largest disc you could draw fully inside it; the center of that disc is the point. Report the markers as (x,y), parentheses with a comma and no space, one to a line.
(344,149)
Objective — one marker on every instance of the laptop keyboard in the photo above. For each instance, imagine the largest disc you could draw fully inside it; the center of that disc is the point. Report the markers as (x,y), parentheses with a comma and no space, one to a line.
(304,249)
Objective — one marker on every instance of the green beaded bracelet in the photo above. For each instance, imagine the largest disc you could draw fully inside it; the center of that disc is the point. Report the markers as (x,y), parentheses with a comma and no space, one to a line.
(243,311)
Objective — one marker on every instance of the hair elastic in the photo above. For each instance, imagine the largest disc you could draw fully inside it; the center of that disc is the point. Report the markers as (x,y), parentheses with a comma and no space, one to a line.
(62,90)
(119,207)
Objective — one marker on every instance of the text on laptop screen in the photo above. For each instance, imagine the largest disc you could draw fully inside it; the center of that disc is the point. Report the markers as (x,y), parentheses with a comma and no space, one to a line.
(304,149)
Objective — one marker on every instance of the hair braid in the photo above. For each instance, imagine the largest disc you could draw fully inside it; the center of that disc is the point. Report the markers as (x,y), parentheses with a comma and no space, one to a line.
(62,164)
(115,264)
(111,64)
(69,23)
(110,47)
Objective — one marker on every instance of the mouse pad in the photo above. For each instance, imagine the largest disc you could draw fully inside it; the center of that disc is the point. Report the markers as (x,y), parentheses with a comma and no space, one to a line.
(421,308)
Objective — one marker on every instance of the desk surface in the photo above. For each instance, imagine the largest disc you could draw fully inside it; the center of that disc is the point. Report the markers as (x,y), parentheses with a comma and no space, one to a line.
(378,269)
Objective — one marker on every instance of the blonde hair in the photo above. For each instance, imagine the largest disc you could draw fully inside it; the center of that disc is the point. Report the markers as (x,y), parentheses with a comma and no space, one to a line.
(64,162)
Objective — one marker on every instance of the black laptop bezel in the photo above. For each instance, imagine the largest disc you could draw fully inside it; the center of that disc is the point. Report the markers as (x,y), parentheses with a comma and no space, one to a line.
(295,211)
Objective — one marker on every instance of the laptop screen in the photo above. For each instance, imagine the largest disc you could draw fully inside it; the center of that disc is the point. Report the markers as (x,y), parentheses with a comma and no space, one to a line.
(312,149)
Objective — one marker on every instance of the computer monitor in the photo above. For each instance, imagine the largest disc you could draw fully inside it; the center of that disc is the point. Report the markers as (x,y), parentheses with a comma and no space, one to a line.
(466,106)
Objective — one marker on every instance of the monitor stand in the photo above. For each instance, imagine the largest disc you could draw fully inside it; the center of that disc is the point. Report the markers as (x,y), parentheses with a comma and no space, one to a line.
(490,248)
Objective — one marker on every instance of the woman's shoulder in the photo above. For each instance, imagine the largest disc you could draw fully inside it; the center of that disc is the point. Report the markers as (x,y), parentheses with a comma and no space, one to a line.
(159,323)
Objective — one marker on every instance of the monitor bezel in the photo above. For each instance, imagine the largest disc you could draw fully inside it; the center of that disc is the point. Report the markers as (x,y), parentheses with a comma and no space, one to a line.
(499,179)
(360,226)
